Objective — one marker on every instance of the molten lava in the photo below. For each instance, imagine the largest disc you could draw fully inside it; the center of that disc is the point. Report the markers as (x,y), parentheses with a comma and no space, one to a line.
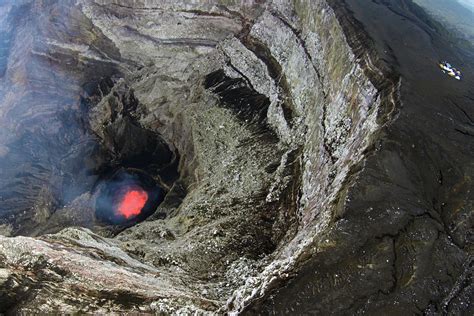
(132,203)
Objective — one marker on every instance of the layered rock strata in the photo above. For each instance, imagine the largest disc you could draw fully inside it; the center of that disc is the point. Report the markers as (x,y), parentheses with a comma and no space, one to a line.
(265,123)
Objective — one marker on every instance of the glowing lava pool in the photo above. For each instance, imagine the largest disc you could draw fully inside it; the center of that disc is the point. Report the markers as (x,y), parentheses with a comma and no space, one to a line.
(127,197)
(132,203)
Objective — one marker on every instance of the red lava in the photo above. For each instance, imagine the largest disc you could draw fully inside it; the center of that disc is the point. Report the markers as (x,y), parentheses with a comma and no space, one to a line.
(132,203)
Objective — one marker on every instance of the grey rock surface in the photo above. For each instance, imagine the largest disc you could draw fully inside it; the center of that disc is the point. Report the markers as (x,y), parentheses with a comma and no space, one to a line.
(284,134)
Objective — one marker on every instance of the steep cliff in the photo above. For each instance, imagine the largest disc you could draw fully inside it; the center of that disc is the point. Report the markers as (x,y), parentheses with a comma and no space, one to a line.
(266,130)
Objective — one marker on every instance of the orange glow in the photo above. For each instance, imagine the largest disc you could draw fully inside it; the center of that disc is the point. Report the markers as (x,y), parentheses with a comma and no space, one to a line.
(132,203)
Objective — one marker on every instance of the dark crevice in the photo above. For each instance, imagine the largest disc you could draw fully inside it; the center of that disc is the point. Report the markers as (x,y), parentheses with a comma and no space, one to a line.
(394,267)
(234,93)
(204,13)
(247,80)
(275,71)
(464,132)
(123,298)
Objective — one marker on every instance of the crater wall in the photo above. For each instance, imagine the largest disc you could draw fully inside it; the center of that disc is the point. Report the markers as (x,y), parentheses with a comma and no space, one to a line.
(263,121)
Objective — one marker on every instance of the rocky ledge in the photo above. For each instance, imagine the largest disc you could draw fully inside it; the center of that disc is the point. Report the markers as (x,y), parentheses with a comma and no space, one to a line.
(268,129)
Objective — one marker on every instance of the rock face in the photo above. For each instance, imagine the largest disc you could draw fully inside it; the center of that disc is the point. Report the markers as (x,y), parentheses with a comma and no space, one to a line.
(283,135)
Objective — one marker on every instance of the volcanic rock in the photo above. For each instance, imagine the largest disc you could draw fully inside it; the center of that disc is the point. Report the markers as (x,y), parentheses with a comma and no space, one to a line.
(313,160)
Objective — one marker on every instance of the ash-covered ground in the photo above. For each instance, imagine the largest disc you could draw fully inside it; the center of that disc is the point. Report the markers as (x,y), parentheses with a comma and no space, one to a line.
(223,157)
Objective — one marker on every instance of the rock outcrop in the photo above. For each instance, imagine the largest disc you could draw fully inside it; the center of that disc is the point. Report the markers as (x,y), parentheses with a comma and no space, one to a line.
(272,129)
